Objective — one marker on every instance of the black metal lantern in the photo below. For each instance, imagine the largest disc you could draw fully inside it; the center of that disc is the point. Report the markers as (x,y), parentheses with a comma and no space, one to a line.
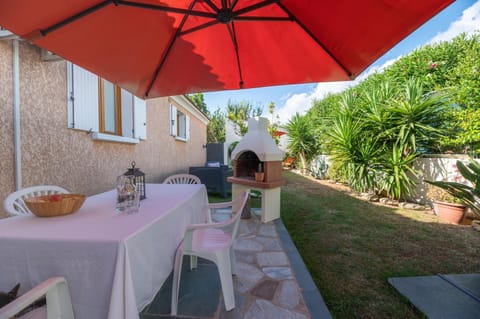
(139,178)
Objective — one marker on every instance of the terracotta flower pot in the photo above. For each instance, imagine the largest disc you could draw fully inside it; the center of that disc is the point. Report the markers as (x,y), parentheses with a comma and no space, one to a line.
(259,176)
(449,212)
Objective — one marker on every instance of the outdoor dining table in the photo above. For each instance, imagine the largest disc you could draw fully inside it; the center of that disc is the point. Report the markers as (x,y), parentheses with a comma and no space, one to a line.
(114,263)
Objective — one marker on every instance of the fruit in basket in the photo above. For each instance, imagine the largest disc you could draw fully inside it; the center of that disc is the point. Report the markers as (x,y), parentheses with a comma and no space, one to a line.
(55,198)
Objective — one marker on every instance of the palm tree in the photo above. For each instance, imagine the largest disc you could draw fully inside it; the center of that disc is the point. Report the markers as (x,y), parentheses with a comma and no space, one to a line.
(302,141)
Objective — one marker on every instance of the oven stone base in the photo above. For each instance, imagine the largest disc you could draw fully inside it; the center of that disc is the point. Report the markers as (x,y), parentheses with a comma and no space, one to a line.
(270,200)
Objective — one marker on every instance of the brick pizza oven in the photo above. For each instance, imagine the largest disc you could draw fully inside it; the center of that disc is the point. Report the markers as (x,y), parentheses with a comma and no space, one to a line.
(257,151)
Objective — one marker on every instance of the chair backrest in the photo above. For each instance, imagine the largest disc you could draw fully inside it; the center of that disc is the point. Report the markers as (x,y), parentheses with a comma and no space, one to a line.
(59,303)
(182,179)
(14,204)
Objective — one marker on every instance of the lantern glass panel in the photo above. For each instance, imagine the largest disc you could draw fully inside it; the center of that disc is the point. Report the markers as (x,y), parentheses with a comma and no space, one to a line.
(139,180)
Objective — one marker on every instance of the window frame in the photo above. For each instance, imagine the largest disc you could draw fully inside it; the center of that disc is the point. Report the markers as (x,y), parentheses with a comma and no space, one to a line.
(117,107)
(179,124)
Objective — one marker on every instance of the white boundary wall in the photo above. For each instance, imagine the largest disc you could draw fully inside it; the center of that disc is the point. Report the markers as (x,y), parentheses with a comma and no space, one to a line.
(433,167)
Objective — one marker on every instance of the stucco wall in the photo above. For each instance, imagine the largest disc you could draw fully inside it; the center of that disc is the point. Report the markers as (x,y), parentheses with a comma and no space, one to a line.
(54,154)
(6,120)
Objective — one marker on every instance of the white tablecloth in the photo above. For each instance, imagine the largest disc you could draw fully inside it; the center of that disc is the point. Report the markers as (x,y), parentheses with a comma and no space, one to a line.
(114,263)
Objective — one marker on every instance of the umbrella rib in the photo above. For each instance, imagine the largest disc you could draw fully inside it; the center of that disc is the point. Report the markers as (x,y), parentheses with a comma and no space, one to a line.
(75,17)
(169,48)
(263,19)
(200,27)
(231,31)
(167,9)
(103,4)
(345,69)
(234,3)
(212,5)
(254,7)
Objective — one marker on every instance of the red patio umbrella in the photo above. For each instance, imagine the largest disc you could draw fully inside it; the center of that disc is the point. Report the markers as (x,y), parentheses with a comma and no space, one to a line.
(167,47)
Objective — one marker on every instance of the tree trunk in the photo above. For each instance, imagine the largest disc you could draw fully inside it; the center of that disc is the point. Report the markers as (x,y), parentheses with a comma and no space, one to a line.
(304,163)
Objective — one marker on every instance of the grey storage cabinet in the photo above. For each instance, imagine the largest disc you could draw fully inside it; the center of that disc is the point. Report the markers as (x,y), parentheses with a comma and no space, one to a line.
(214,178)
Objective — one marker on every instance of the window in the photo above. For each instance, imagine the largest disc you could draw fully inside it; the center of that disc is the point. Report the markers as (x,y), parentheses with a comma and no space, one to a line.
(182,125)
(98,106)
(179,124)
(109,100)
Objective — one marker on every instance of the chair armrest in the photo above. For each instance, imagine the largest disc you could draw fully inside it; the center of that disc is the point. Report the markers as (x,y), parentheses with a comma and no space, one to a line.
(223,204)
(193,227)
(209,207)
(219,205)
(58,299)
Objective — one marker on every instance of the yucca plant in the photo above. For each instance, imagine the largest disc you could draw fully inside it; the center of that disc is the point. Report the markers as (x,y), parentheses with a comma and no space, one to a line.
(468,195)
(397,173)
(301,139)
(414,116)
(355,152)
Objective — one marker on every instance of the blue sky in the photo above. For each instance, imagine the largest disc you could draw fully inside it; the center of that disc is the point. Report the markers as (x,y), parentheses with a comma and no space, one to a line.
(460,16)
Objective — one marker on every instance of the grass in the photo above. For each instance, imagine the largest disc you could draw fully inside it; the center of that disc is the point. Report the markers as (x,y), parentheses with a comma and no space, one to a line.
(351,247)
(255,201)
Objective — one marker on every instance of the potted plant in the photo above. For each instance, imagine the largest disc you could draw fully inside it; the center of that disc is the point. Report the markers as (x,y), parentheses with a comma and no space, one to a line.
(259,174)
(447,207)
(468,195)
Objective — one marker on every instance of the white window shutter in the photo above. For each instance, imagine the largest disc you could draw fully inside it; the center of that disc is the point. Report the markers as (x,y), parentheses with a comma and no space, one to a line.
(187,127)
(173,120)
(127,113)
(83,99)
(140,118)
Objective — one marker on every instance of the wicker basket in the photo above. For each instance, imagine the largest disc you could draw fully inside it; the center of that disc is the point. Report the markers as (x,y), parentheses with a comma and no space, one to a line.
(55,205)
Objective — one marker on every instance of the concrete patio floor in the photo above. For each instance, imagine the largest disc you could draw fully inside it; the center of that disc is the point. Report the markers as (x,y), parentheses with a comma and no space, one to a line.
(271,282)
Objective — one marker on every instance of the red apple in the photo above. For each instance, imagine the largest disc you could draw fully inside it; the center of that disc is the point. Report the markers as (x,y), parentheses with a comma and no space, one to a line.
(55,198)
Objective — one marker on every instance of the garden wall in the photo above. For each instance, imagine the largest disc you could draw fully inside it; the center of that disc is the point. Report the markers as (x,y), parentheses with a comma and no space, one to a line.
(433,167)
(436,167)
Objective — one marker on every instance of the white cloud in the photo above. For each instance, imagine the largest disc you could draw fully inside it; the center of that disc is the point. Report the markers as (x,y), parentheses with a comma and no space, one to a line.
(302,102)
(468,22)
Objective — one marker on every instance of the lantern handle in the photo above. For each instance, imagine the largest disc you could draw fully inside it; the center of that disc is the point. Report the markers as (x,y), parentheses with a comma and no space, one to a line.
(133,164)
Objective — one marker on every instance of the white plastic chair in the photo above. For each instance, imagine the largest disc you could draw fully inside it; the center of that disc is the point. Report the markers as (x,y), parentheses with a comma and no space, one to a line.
(212,241)
(182,179)
(59,303)
(14,204)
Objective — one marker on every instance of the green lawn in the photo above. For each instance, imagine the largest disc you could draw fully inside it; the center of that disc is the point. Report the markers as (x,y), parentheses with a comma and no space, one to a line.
(352,246)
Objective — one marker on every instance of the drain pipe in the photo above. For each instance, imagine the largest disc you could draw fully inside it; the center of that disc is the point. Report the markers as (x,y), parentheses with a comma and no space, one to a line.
(16,115)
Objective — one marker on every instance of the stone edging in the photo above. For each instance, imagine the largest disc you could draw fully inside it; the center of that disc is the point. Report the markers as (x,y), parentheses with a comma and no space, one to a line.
(311,295)
(389,202)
